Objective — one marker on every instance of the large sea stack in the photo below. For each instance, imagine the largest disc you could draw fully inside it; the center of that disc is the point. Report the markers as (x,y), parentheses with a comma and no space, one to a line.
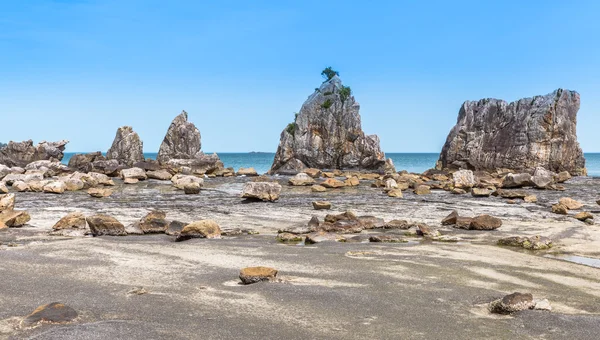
(127,147)
(522,135)
(327,134)
(181,148)
(22,153)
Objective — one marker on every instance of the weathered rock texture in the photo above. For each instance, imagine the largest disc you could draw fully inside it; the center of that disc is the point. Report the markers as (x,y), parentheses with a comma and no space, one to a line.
(127,147)
(522,135)
(22,153)
(327,134)
(182,140)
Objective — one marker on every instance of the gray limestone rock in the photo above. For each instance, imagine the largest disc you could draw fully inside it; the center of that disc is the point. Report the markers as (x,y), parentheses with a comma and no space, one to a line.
(22,153)
(182,140)
(127,147)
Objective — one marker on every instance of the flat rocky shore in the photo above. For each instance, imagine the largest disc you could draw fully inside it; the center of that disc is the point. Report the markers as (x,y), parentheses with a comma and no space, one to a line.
(149,286)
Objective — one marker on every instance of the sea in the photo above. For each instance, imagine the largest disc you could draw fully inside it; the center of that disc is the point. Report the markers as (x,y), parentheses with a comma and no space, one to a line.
(411,162)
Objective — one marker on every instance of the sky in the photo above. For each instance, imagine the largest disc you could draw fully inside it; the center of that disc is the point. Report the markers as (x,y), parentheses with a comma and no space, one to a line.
(78,70)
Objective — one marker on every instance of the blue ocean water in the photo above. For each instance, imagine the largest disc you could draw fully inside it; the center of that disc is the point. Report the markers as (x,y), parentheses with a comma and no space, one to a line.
(412,162)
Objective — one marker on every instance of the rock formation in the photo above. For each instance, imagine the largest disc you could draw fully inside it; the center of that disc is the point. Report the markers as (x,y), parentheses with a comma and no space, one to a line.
(327,134)
(182,140)
(181,149)
(529,133)
(22,153)
(127,147)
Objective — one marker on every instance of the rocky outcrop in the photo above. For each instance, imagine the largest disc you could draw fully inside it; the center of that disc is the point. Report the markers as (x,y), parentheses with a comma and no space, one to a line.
(182,140)
(327,134)
(127,147)
(22,153)
(522,135)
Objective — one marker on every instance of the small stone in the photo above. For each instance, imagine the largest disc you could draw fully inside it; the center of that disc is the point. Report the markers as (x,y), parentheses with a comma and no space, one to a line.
(530,199)
(192,188)
(289,238)
(584,215)
(318,188)
(559,208)
(105,225)
(480,192)
(251,275)
(352,181)
(321,205)
(396,224)
(485,222)
(333,183)
(131,180)
(426,231)
(422,190)
(570,203)
(463,179)
(200,229)
(395,193)
(175,227)
(320,236)
(54,312)
(458,191)
(542,304)
(387,239)
(99,192)
(512,303)
(314,173)
(450,219)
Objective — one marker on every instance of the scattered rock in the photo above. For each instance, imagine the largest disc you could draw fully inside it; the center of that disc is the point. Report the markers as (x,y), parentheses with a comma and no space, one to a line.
(247,172)
(333,183)
(570,203)
(480,192)
(289,238)
(584,215)
(463,179)
(320,236)
(395,193)
(162,175)
(20,186)
(542,178)
(512,303)
(562,177)
(251,275)
(318,188)
(396,224)
(99,192)
(75,220)
(528,242)
(387,238)
(530,199)
(516,180)
(192,188)
(200,229)
(3,188)
(73,184)
(301,179)
(485,222)
(312,172)
(450,219)
(265,191)
(542,304)
(55,187)
(105,225)
(134,173)
(175,227)
(352,181)
(14,218)
(7,202)
(154,222)
(422,190)
(54,312)
(180,181)
(321,205)
(457,191)
(560,208)
(390,184)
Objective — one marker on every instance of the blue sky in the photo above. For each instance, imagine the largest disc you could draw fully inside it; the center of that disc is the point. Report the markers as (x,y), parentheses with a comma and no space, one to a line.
(77,70)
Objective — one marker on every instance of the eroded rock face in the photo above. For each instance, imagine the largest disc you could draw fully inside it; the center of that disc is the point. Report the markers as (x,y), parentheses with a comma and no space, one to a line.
(22,153)
(182,140)
(127,147)
(522,135)
(327,134)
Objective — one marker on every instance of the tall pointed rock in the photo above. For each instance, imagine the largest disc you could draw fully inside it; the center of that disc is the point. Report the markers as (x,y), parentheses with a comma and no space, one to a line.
(127,147)
(327,134)
(182,140)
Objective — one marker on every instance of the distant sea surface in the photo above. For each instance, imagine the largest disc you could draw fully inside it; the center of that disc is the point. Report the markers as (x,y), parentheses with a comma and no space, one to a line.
(412,162)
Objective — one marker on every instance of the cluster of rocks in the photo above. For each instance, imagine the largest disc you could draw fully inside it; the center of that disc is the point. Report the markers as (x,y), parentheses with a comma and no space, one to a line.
(523,135)
(9,216)
(155,222)
(337,227)
(565,204)
(481,222)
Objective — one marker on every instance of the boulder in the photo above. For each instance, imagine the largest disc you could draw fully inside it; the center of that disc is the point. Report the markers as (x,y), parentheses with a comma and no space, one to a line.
(318,188)
(390,184)
(480,192)
(100,179)
(265,191)
(99,192)
(570,203)
(130,180)
(175,227)
(301,179)
(3,188)
(180,181)
(22,153)
(55,187)
(422,190)
(333,183)
(105,225)
(463,179)
(200,165)
(312,172)
(127,147)
(20,186)
(192,188)
(321,236)
(83,161)
(584,215)
(516,180)
(153,223)
(247,172)
(397,193)
(72,184)
(327,134)
(200,229)
(485,222)
(457,191)
(251,275)
(134,173)
(289,238)
(531,132)
(352,181)
(4,170)
(14,218)
(109,167)
(530,199)
(182,140)
(562,177)
(527,242)
(48,168)
(450,219)
(560,208)
(162,175)
(75,220)
(512,303)
(542,178)
(52,313)
(321,205)
(7,202)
